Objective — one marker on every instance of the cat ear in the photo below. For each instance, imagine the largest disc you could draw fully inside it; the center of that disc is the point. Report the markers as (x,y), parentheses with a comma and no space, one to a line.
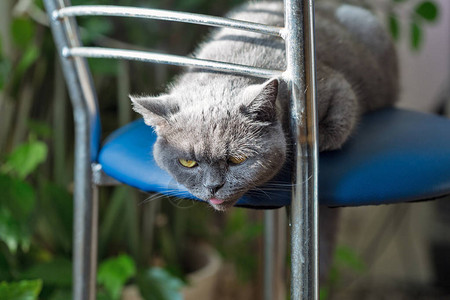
(155,110)
(262,101)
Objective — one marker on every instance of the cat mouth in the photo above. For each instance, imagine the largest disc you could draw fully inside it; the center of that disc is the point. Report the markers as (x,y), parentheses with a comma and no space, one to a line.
(221,204)
(216,201)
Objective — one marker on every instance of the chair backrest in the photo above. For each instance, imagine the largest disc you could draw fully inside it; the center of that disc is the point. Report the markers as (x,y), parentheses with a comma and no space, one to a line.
(298,33)
(78,75)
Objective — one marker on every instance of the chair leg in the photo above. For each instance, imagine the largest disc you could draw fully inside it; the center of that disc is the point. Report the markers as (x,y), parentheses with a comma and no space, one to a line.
(85,235)
(299,25)
(274,254)
(269,257)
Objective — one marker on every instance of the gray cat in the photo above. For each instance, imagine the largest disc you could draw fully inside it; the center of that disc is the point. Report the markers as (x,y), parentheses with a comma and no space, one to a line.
(221,135)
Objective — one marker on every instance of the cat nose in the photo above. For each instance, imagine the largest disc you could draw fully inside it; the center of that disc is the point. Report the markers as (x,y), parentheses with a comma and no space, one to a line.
(213,187)
(213,178)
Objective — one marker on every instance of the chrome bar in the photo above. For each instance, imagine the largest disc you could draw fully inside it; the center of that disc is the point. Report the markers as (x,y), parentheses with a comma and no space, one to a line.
(83,99)
(169,59)
(100,178)
(159,14)
(299,24)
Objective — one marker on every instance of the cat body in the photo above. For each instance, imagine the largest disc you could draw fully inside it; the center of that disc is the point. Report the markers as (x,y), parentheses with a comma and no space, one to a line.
(221,134)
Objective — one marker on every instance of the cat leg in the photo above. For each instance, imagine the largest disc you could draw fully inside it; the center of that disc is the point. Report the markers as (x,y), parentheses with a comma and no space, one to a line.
(337,106)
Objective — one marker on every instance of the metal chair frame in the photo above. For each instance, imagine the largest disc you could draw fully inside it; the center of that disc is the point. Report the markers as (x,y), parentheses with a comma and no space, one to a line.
(298,33)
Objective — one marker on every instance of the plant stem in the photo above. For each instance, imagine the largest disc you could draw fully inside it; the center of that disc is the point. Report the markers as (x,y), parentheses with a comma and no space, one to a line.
(6,107)
(123,89)
(5,29)
(26,101)
(150,211)
(6,114)
(59,108)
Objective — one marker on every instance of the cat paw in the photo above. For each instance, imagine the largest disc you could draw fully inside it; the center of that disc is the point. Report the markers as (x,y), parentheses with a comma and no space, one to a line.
(338,109)
(333,134)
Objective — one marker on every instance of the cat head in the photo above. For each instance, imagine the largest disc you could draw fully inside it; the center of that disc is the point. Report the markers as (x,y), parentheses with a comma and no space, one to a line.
(217,149)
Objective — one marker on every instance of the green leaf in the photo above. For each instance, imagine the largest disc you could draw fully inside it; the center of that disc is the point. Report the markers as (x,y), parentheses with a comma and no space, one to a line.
(16,196)
(113,273)
(13,233)
(22,290)
(158,284)
(17,201)
(394,26)
(22,30)
(25,158)
(416,36)
(30,55)
(57,272)
(427,10)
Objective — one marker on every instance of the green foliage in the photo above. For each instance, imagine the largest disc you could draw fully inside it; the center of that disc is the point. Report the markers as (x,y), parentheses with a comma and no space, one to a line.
(103,66)
(17,201)
(57,272)
(324,292)
(25,158)
(55,217)
(416,35)
(113,273)
(158,284)
(95,28)
(394,25)
(18,197)
(29,57)
(62,294)
(427,10)
(345,259)
(22,290)
(23,31)
(424,13)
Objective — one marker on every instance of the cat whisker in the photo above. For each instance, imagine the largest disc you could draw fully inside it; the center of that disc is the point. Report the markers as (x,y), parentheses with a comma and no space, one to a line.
(166,194)
(151,198)
(176,202)
(275,183)
(258,192)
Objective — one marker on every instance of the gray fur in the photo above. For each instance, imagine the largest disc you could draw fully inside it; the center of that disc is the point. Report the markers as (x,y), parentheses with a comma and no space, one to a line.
(209,116)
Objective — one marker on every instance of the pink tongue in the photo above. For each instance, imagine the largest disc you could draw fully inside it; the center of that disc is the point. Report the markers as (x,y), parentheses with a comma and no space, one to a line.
(216,201)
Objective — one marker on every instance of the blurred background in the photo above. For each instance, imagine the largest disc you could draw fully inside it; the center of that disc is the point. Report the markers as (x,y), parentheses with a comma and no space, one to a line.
(153,247)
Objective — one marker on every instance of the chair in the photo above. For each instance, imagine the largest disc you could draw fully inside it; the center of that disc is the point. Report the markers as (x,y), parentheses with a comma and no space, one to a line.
(395,156)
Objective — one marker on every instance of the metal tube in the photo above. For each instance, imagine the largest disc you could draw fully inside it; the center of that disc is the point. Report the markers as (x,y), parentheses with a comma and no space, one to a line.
(299,24)
(169,59)
(159,14)
(81,90)
(269,254)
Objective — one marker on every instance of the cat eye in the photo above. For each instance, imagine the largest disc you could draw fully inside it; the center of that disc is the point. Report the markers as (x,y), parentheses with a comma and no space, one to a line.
(188,163)
(237,159)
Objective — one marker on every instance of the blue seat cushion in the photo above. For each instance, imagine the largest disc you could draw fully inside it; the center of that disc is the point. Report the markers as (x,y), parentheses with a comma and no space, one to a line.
(394,156)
